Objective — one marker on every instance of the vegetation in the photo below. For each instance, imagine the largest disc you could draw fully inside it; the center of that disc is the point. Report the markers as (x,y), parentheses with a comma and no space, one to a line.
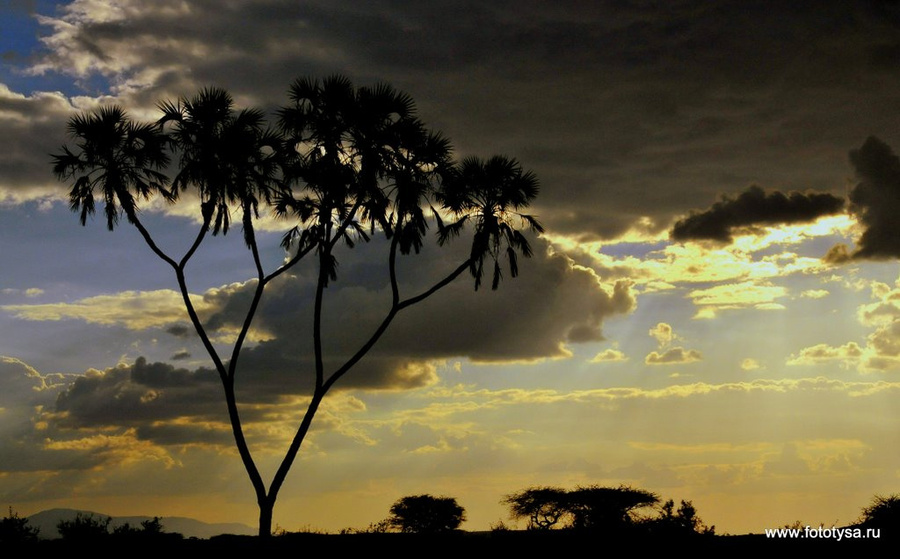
(424,514)
(543,507)
(681,521)
(84,527)
(584,508)
(344,163)
(602,508)
(596,508)
(15,530)
(883,512)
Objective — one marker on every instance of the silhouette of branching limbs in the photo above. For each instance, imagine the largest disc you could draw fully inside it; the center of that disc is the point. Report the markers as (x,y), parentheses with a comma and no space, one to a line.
(593,508)
(344,163)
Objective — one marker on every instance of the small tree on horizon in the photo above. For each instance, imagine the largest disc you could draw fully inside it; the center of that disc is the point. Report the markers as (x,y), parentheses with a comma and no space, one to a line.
(583,508)
(544,507)
(345,163)
(425,514)
(681,521)
(84,528)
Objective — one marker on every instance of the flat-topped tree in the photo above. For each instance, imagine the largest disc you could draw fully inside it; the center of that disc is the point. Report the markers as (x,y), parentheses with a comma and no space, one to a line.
(346,163)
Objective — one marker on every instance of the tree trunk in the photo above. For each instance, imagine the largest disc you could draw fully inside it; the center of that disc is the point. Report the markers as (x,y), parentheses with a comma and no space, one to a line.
(265,518)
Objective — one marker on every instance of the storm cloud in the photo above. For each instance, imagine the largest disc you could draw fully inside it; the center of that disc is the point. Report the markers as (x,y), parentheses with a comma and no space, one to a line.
(751,208)
(552,303)
(875,201)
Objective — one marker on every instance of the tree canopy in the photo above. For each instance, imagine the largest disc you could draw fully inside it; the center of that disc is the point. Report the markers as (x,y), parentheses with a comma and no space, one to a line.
(587,508)
(343,163)
(882,512)
(425,514)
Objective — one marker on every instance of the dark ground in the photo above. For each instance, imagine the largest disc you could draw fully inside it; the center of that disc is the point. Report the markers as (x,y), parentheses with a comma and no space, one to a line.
(522,543)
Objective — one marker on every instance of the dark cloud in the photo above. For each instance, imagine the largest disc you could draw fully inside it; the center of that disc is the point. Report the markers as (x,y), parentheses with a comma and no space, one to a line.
(875,200)
(180,331)
(534,316)
(754,207)
(33,126)
(838,254)
(133,394)
(25,391)
(623,112)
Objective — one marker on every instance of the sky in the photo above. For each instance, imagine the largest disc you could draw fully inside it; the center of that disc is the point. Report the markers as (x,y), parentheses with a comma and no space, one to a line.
(712,313)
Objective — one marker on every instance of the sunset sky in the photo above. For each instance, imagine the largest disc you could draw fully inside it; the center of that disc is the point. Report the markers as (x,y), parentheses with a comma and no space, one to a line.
(713,312)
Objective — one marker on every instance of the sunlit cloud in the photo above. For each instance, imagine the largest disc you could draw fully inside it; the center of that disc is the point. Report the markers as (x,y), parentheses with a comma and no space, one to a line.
(848,353)
(663,334)
(136,310)
(750,364)
(115,450)
(673,356)
(815,293)
(737,296)
(609,355)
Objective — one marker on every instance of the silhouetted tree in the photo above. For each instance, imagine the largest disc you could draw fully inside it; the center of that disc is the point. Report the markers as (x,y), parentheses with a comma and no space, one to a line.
(884,512)
(84,527)
(150,531)
(424,514)
(584,508)
(345,162)
(544,507)
(681,521)
(602,508)
(15,530)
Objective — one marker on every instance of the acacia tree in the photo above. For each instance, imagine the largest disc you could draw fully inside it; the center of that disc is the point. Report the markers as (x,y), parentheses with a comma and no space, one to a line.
(584,508)
(346,163)
(542,506)
(426,514)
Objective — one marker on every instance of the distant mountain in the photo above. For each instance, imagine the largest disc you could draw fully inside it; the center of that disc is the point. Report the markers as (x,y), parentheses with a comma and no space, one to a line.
(188,527)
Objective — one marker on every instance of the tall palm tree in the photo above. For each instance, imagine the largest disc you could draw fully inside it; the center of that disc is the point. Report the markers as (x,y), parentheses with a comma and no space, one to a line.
(229,156)
(118,160)
(232,159)
(363,162)
(359,160)
(491,193)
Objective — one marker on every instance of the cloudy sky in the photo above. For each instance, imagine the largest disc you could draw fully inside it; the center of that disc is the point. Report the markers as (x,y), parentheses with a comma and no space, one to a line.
(713,313)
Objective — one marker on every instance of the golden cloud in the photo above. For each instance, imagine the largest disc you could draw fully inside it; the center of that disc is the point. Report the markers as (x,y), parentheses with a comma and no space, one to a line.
(609,355)
(673,356)
(819,353)
(734,295)
(116,450)
(136,310)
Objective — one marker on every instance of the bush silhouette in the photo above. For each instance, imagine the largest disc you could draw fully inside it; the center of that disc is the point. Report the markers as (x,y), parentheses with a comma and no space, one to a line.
(678,522)
(544,507)
(584,508)
(425,514)
(882,513)
(84,527)
(15,530)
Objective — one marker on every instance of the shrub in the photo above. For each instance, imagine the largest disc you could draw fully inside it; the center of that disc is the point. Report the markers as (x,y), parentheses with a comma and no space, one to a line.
(425,514)
(15,529)
(84,527)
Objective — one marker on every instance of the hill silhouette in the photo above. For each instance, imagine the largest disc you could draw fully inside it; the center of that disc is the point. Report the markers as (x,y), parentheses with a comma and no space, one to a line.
(47,521)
